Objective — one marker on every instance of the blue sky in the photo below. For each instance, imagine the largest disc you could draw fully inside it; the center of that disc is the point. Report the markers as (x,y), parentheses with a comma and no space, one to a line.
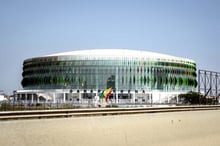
(31,28)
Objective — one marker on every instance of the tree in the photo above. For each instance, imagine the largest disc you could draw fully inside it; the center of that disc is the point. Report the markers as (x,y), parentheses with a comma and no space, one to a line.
(190,97)
(195,98)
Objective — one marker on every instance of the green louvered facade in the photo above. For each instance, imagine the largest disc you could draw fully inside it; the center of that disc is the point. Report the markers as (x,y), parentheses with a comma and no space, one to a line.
(82,71)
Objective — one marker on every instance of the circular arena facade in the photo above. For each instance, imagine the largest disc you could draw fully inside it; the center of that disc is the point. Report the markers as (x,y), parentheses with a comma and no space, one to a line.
(80,76)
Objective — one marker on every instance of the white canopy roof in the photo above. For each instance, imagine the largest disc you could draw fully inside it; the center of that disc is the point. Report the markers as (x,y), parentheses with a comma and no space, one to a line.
(119,53)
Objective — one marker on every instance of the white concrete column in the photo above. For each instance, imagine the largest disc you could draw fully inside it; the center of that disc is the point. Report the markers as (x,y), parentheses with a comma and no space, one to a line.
(16,97)
(32,98)
(80,98)
(116,97)
(54,97)
(177,98)
(133,98)
(160,98)
(168,99)
(151,98)
(64,97)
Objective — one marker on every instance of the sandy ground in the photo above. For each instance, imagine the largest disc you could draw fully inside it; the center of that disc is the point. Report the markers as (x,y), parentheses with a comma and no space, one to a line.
(201,128)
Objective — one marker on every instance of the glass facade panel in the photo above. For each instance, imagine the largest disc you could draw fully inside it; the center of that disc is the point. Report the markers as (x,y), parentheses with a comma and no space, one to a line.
(121,74)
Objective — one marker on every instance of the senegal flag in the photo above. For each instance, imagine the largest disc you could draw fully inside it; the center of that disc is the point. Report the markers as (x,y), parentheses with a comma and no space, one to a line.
(106,93)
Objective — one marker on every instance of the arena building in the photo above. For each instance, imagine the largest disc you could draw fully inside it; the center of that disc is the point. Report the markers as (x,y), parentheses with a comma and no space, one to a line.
(135,77)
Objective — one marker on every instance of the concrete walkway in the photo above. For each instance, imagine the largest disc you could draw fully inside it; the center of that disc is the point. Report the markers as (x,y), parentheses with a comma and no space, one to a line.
(167,129)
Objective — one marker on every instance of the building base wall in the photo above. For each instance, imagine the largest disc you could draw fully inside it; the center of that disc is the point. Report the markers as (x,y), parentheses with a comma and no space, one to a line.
(92,97)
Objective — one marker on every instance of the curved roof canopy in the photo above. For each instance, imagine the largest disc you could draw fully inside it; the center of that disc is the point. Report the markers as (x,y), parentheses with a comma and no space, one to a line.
(117,54)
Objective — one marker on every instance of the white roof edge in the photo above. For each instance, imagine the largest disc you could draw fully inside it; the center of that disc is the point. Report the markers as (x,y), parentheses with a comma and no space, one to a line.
(118,53)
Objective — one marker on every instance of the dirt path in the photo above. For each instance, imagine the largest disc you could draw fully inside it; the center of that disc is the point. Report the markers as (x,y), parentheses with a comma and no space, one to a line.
(168,129)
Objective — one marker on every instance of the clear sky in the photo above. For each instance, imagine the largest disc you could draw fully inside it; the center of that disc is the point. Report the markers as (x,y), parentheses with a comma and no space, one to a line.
(31,28)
